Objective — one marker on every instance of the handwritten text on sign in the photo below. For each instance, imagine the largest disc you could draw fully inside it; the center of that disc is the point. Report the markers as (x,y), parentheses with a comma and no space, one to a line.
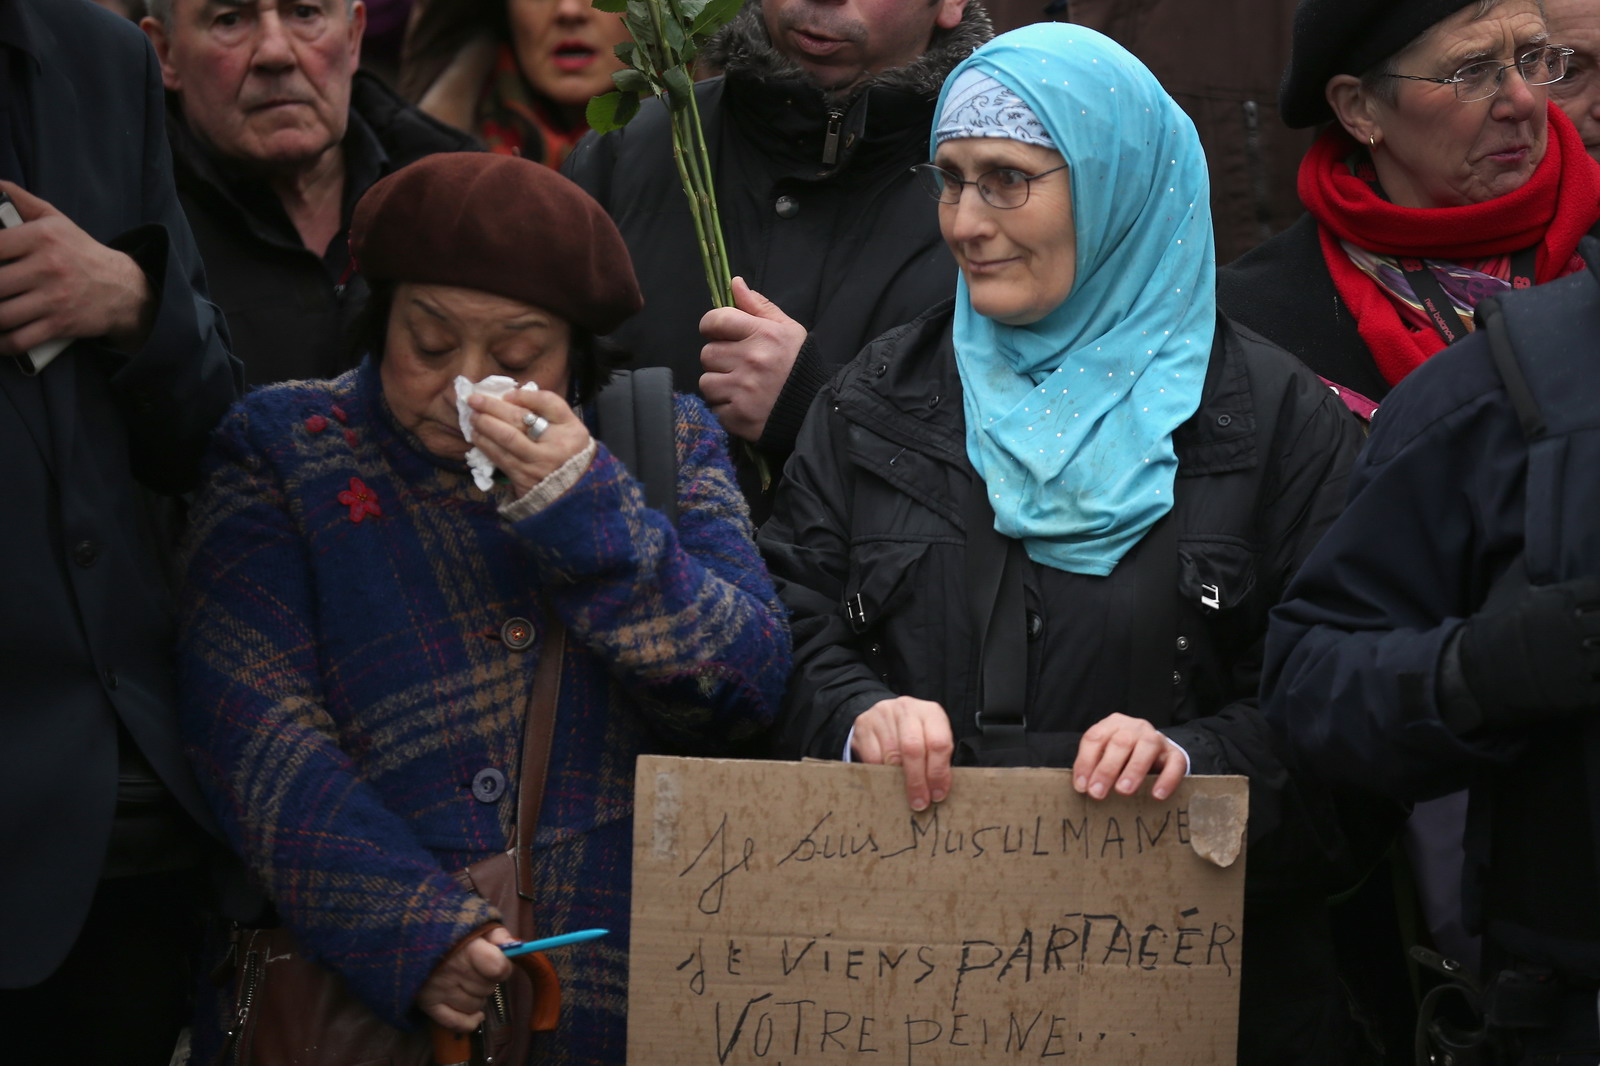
(801,913)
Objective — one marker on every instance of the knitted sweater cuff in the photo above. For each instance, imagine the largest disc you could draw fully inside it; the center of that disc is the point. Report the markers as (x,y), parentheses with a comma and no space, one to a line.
(806,379)
(551,488)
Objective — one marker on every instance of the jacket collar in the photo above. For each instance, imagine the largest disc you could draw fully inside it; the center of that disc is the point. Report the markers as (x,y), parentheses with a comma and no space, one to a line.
(19,31)
(1221,435)
(384,132)
(816,133)
(743,49)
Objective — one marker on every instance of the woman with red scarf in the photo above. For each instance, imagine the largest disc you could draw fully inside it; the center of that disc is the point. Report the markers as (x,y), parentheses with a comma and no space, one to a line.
(1444,176)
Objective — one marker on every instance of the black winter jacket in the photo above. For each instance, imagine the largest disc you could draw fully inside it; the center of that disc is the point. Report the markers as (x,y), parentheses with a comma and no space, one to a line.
(288,314)
(1283,291)
(820,211)
(873,508)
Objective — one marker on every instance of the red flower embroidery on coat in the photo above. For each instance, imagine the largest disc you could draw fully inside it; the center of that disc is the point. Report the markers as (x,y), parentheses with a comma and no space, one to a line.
(338,412)
(361,500)
(316,424)
(350,437)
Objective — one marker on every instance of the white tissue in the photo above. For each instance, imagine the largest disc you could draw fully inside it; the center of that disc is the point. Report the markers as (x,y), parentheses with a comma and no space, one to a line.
(495,385)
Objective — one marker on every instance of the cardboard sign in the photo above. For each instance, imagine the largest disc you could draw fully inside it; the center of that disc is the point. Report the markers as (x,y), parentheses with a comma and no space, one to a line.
(802,913)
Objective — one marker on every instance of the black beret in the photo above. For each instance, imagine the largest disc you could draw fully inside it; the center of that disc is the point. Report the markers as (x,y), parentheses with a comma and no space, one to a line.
(1334,37)
(499,224)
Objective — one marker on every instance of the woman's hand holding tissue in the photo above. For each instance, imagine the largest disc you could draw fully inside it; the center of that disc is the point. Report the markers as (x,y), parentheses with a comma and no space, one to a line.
(500,431)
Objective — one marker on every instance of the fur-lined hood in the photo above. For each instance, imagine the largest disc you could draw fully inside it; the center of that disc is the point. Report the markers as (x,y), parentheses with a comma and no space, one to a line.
(744,49)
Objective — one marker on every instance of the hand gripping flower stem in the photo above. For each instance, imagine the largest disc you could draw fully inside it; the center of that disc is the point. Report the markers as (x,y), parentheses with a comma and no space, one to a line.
(667,36)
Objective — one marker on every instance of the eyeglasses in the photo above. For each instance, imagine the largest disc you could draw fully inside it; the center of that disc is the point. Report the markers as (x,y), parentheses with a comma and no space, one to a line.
(1005,188)
(1481,80)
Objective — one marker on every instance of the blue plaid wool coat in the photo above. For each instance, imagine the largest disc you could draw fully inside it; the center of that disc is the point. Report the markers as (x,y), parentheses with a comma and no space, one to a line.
(345,680)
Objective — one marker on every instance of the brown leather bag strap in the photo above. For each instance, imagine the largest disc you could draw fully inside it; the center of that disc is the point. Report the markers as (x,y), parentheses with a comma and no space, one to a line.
(539,728)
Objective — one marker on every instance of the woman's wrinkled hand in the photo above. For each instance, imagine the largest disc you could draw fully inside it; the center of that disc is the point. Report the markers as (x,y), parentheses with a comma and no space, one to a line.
(455,993)
(1120,751)
(914,735)
(499,430)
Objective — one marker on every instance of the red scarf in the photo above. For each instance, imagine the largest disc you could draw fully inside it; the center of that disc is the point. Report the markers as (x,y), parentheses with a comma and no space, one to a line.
(513,119)
(1553,210)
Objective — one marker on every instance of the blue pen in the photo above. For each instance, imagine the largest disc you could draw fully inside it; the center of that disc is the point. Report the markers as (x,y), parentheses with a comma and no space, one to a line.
(525,946)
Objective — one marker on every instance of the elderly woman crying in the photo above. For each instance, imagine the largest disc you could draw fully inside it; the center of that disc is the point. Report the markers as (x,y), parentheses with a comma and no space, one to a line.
(368,637)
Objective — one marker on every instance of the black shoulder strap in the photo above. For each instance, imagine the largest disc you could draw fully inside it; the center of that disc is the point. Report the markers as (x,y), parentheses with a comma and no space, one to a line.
(638,422)
(1492,319)
(998,607)
(1543,346)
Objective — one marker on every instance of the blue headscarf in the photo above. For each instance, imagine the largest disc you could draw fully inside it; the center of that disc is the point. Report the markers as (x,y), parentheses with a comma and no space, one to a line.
(1070,419)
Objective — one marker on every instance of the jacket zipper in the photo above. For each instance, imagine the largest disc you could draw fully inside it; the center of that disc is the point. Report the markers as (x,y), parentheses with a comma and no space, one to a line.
(494,1023)
(246,999)
(830,142)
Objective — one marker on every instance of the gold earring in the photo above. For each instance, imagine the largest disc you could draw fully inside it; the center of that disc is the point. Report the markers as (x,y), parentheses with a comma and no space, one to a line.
(1372,140)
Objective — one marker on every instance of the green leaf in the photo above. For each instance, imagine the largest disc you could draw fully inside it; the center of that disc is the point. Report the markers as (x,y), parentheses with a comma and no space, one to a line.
(680,89)
(627,107)
(625,52)
(640,26)
(713,16)
(611,111)
(690,9)
(674,32)
(633,81)
(616,7)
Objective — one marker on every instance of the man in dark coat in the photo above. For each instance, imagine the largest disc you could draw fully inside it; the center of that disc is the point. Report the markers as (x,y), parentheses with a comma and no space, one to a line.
(1445,635)
(822,110)
(99,818)
(275,135)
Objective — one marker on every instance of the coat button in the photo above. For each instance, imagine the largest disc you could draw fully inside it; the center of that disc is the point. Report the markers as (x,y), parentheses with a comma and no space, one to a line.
(517,634)
(85,552)
(1224,420)
(881,369)
(110,677)
(1183,643)
(1177,678)
(933,401)
(787,207)
(488,785)
(1035,625)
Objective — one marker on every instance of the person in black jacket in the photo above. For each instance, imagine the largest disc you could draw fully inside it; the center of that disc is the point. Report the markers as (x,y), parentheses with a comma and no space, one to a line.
(1445,635)
(275,135)
(101,824)
(813,129)
(1149,474)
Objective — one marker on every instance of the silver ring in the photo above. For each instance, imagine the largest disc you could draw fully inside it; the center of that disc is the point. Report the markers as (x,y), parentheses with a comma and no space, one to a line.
(536,424)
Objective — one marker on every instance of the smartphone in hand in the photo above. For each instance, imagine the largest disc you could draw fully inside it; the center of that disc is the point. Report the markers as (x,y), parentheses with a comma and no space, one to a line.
(38,357)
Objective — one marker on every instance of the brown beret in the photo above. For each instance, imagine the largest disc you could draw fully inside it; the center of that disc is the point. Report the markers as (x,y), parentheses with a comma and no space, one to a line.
(499,224)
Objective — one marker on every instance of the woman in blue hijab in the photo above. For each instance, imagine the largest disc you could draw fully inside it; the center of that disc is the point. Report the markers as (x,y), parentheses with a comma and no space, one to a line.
(1042,525)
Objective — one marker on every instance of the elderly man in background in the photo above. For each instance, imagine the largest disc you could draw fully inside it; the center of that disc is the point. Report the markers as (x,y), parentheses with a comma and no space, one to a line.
(1576,25)
(275,135)
(100,821)
(822,109)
